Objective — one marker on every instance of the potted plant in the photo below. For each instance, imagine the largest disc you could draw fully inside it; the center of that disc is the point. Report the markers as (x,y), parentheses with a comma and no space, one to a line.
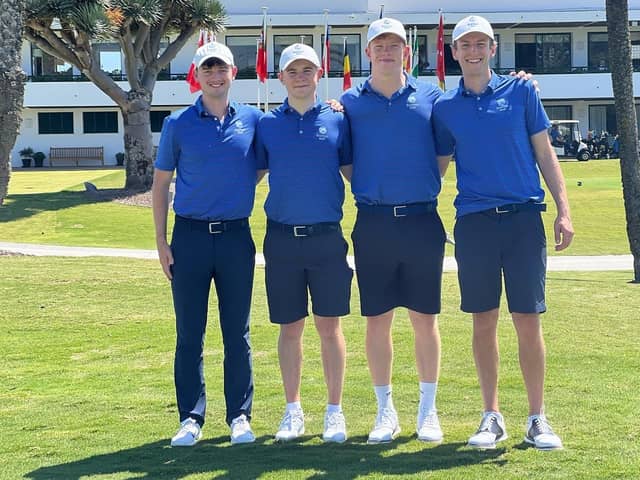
(27,155)
(38,158)
(120,159)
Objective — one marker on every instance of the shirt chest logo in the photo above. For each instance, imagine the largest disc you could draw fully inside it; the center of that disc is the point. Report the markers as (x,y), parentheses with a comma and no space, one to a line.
(240,127)
(502,105)
(412,102)
(321,134)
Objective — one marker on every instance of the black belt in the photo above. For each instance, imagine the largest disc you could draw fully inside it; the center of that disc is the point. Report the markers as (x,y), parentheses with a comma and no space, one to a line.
(213,226)
(304,230)
(399,210)
(519,207)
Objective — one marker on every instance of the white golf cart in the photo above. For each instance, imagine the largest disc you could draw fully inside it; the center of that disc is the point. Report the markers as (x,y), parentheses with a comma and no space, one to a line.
(566,140)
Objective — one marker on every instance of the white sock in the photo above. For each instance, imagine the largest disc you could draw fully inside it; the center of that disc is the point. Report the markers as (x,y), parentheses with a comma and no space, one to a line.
(428,397)
(333,408)
(383,395)
(294,406)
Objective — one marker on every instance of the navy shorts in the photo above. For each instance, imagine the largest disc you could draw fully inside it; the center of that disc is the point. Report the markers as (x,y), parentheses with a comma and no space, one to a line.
(296,266)
(490,246)
(398,260)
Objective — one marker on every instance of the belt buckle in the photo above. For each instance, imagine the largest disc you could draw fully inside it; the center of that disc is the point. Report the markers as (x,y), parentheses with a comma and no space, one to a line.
(508,210)
(212,225)
(395,211)
(295,231)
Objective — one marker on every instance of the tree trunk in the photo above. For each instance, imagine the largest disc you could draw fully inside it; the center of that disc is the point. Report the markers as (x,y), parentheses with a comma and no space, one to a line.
(622,80)
(138,142)
(11,85)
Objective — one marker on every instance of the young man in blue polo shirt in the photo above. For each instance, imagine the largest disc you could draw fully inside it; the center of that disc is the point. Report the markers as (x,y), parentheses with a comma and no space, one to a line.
(305,145)
(210,146)
(398,236)
(499,130)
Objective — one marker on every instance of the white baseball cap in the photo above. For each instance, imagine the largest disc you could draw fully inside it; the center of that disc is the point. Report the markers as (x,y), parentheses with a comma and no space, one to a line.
(470,24)
(212,50)
(298,51)
(386,25)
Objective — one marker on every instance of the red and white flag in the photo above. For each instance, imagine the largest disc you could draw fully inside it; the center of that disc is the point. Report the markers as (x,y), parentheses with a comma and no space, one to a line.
(194,85)
(261,53)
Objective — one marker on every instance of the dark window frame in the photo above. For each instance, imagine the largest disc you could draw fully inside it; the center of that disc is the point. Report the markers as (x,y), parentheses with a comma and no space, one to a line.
(156,119)
(55,123)
(539,53)
(97,121)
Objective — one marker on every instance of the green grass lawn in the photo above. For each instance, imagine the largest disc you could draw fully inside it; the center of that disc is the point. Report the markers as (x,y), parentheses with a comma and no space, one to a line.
(87,390)
(50,207)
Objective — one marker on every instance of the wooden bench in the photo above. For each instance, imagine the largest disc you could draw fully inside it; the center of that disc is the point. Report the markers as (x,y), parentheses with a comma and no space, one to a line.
(76,154)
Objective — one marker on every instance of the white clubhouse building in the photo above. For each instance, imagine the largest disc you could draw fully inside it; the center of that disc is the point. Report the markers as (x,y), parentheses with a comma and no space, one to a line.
(564,43)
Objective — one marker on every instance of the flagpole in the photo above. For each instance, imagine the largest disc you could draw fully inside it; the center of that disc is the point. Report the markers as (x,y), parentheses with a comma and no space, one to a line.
(266,81)
(409,61)
(415,61)
(326,54)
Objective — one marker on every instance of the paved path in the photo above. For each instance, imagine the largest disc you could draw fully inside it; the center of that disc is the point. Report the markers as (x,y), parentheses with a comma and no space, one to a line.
(555,263)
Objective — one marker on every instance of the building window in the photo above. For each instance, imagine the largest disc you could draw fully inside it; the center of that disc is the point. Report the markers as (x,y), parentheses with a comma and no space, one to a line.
(157,118)
(100,122)
(244,49)
(451,65)
(55,122)
(336,66)
(165,73)
(602,118)
(559,112)
(423,63)
(280,42)
(598,51)
(543,52)
(110,57)
(43,64)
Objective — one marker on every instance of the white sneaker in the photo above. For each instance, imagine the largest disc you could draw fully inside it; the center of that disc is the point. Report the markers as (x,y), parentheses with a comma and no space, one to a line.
(188,434)
(291,426)
(541,435)
(428,427)
(491,431)
(386,427)
(335,429)
(241,431)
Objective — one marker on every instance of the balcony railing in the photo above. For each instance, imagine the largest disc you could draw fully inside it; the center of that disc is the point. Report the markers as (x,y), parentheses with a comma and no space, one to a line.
(249,74)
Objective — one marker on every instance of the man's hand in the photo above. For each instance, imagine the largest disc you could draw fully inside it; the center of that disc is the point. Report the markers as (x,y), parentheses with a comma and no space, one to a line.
(166,257)
(563,231)
(335,105)
(526,76)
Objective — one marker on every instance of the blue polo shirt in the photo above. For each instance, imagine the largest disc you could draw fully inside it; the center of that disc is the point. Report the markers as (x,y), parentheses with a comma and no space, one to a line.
(495,161)
(215,161)
(303,154)
(394,156)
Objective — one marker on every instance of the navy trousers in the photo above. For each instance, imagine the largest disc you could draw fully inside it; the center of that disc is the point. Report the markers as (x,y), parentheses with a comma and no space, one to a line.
(226,256)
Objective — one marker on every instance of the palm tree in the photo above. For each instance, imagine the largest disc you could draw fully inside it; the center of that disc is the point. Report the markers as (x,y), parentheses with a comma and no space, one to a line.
(68,29)
(11,85)
(622,79)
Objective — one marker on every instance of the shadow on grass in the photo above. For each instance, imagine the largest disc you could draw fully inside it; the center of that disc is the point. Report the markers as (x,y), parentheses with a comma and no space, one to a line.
(216,458)
(26,205)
